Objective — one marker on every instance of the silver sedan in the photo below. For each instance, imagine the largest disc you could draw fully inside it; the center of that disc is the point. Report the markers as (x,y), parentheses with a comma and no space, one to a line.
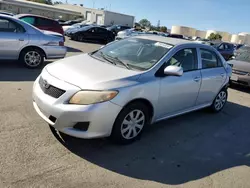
(21,41)
(118,90)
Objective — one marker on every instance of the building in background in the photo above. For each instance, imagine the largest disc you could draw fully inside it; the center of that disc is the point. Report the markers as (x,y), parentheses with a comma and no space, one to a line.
(201,34)
(27,7)
(182,30)
(67,12)
(101,16)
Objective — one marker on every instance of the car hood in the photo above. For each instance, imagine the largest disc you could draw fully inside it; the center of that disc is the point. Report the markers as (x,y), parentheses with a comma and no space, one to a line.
(87,72)
(240,65)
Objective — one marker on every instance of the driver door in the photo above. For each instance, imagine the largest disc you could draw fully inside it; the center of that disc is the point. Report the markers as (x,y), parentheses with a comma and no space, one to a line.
(179,93)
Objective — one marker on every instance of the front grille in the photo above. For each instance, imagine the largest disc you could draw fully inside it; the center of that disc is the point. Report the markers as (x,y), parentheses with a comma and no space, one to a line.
(49,89)
(239,72)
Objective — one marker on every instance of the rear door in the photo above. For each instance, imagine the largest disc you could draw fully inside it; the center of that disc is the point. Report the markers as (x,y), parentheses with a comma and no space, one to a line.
(213,76)
(12,38)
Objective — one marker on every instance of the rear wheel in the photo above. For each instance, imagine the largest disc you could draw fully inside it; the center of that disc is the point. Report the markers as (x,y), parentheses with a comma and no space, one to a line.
(32,57)
(219,101)
(130,123)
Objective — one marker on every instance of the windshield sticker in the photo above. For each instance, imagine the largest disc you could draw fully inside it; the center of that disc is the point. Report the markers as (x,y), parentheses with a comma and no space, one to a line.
(164,45)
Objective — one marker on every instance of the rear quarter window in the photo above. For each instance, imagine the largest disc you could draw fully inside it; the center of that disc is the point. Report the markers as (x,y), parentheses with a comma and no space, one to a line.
(46,22)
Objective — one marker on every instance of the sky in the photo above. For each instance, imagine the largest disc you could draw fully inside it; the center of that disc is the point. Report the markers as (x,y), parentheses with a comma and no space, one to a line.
(232,16)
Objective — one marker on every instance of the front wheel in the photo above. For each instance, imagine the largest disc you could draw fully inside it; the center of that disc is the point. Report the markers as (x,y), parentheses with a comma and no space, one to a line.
(219,101)
(130,123)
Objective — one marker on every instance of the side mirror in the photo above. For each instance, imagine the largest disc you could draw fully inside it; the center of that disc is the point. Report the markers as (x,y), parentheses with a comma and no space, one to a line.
(173,71)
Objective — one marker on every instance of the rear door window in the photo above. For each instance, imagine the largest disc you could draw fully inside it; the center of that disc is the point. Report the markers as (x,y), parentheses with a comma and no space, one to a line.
(45,22)
(28,19)
(209,59)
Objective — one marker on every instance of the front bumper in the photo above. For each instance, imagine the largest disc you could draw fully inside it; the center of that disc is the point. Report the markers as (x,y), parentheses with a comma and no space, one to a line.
(55,52)
(100,117)
(240,79)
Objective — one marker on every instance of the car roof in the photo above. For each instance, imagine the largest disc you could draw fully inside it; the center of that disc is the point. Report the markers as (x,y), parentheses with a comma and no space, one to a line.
(169,40)
(33,15)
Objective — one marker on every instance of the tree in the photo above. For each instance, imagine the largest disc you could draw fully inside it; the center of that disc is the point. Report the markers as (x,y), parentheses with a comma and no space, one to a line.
(57,2)
(216,36)
(163,29)
(145,23)
(49,2)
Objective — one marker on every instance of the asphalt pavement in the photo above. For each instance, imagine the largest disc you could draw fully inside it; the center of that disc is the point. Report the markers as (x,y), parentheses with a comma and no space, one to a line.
(199,149)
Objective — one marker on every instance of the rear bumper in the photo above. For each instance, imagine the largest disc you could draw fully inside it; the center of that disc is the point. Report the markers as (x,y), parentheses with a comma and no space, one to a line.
(55,52)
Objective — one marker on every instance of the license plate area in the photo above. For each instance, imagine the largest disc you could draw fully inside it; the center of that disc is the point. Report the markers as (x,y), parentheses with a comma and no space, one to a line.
(234,78)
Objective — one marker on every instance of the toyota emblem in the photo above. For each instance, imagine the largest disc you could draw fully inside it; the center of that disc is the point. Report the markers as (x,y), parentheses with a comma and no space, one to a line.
(45,84)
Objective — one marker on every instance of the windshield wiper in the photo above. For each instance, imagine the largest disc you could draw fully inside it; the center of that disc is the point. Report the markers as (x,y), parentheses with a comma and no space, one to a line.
(121,62)
(106,57)
(110,58)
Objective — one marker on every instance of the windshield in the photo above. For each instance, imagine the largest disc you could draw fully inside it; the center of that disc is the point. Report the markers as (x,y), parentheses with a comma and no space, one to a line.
(243,54)
(136,53)
(85,28)
(112,27)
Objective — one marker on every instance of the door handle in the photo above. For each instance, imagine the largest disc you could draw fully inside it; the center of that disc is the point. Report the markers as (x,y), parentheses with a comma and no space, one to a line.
(197,79)
(21,39)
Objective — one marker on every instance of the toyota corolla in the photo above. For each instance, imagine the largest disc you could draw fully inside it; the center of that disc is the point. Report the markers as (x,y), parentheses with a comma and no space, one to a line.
(119,89)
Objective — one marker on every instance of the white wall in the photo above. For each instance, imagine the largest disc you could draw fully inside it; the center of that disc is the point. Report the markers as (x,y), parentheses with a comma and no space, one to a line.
(113,18)
(182,30)
(238,39)
(201,34)
(247,37)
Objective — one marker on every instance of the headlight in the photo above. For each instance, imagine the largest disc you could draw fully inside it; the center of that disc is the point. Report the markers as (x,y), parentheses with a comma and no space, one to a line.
(92,97)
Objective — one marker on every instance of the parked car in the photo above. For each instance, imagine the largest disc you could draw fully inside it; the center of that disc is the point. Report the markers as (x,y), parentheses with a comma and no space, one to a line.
(119,89)
(226,49)
(93,33)
(6,13)
(116,28)
(74,28)
(22,41)
(176,36)
(241,66)
(238,46)
(42,23)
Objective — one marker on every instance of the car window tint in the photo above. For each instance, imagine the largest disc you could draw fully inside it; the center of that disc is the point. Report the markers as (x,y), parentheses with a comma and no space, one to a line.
(10,26)
(209,59)
(221,47)
(30,20)
(185,58)
(45,22)
(100,30)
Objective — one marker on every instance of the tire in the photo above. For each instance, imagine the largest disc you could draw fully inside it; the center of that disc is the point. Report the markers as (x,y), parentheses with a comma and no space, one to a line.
(32,58)
(132,129)
(219,101)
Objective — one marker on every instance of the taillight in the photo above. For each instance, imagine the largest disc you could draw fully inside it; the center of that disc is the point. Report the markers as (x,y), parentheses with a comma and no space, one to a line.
(61,43)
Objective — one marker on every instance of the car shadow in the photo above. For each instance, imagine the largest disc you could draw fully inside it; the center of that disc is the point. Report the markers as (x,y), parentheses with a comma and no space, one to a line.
(239,87)
(175,151)
(90,42)
(70,49)
(13,71)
